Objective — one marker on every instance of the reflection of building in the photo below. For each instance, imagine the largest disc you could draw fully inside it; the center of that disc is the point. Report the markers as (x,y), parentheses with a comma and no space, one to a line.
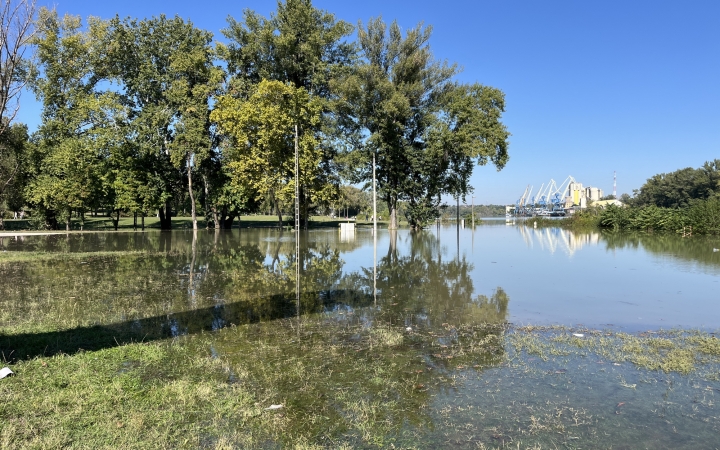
(347,232)
(552,239)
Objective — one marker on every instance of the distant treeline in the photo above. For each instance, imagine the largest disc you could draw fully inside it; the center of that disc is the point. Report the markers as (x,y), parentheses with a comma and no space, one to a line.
(686,201)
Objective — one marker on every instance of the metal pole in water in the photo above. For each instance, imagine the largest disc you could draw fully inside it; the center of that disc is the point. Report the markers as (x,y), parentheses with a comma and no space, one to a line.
(297,223)
(374,235)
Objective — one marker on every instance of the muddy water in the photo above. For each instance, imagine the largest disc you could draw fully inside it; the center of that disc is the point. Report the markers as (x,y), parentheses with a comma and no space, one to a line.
(409,308)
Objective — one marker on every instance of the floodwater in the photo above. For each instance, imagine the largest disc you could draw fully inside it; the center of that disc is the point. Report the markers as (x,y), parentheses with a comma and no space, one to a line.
(550,275)
(420,293)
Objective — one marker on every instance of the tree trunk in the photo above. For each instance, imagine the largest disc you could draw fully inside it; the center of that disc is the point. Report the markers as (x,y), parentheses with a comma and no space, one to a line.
(142,219)
(228,221)
(279,213)
(116,219)
(216,218)
(165,216)
(392,206)
(190,192)
(134,220)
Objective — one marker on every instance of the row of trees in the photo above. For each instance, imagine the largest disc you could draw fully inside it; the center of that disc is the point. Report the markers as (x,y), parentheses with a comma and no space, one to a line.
(678,189)
(686,201)
(139,115)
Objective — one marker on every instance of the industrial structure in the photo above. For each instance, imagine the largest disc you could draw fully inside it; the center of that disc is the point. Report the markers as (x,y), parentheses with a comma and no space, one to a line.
(556,200)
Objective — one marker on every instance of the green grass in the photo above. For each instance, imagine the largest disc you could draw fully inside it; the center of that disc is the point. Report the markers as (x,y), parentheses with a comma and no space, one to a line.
(340,384)
(181,223)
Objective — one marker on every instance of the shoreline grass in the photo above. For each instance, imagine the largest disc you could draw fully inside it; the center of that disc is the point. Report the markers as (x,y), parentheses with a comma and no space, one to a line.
(340,384)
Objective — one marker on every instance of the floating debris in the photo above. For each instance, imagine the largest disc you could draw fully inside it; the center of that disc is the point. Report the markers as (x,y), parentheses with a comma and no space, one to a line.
(272,407)
(578,335)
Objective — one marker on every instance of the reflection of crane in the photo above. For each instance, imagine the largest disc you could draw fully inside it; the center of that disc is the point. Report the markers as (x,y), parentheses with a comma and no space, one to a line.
(554,239)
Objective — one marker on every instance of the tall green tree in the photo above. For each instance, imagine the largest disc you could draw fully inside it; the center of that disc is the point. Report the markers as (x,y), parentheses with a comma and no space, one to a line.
(165,68)
(305,48)
(265,128)
(425,131)
(78,118)
(13,168)
(677,189)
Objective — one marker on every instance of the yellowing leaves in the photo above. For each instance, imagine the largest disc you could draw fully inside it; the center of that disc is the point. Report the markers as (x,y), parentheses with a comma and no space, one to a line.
(263,129)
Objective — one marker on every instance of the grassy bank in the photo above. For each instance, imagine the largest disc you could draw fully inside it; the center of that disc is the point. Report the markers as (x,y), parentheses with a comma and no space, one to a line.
(182,223)
(337,383)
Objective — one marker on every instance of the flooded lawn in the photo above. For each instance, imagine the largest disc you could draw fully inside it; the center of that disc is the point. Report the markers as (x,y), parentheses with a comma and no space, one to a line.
(500,337)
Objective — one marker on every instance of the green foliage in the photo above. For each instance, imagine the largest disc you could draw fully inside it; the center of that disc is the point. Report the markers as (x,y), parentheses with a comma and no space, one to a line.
(127,124)
(679,188)
(302,47)
(77,129)
(264,129)
(700,217)
(14,149)
(425,131)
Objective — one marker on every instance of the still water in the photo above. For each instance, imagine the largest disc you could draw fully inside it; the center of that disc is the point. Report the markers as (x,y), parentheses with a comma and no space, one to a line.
(549,276)
(410,306)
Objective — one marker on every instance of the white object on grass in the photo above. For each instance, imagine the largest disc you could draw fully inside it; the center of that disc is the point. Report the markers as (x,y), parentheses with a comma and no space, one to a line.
(578,335)
(274,407)
(6,372)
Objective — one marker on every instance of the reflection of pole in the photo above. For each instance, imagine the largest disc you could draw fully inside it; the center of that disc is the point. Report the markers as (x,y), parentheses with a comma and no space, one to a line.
(472,211)
(374,235)
(297,223)
(191,275)
(458,226)
(375,268)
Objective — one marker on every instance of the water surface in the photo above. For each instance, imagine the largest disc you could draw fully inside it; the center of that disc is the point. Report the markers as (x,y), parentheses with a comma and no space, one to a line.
(391,339)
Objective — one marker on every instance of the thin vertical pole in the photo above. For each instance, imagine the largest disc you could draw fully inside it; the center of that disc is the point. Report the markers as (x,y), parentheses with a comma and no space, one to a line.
(457,210)
(297,222)
(374,235)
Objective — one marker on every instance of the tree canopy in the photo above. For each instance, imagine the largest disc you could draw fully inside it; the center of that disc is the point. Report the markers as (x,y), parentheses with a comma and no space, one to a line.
(150,115)
(425,131)
(677,189)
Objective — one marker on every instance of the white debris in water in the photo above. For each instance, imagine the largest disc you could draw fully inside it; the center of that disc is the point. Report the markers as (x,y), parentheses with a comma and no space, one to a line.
(274,407)
(408,329)
(578,335)
(6,372)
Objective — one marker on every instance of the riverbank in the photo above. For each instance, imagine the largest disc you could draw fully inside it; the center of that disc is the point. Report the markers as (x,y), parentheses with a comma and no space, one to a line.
(22,227)
(328,383)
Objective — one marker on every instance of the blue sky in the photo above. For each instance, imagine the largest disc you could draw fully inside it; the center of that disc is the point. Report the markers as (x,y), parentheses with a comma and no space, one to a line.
(591,87)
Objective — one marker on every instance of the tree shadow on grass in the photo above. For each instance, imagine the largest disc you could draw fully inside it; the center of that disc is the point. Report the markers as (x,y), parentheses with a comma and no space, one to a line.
(25,346)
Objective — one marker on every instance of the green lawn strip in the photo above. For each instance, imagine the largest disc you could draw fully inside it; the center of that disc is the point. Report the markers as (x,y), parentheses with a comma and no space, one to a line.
(103,224)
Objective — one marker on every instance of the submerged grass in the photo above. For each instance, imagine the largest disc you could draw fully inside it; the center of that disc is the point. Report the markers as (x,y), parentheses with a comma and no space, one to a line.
(681,351)
(338,383)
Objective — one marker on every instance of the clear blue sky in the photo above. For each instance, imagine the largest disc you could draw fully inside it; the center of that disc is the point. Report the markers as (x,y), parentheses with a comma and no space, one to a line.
(591,86)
